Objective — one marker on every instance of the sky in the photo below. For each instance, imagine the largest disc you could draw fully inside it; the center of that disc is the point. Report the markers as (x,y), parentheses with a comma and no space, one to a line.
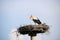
(14,13)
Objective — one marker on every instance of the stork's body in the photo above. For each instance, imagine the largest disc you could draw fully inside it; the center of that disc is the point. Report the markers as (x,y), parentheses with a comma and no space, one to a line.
(35,19)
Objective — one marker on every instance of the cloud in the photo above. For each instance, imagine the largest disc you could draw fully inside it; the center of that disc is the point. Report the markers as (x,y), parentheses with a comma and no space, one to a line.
(14,35)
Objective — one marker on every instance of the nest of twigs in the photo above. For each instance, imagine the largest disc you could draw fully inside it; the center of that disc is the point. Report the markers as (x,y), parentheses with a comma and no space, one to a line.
(32,30)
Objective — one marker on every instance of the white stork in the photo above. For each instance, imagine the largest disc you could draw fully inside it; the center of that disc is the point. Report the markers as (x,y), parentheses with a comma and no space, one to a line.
(35,19)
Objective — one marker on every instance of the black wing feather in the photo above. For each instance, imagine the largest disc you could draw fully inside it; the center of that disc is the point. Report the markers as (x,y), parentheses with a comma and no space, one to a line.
(37,21)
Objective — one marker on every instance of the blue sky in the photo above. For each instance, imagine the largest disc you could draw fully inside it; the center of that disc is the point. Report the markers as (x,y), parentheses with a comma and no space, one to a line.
(16,12)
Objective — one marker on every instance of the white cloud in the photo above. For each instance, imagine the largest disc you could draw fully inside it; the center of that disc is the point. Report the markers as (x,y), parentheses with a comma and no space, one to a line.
(13,35)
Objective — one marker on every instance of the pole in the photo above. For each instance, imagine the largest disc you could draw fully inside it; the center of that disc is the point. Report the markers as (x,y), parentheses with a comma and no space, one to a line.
(32,37)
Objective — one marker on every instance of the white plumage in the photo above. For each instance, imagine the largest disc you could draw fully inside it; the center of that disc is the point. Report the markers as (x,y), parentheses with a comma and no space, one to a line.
(35,19)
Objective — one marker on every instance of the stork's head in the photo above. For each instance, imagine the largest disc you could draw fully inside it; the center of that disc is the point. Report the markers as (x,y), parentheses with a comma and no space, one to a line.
(31,17)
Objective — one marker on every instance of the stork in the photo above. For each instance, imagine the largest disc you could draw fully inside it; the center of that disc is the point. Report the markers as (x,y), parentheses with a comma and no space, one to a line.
(35,19)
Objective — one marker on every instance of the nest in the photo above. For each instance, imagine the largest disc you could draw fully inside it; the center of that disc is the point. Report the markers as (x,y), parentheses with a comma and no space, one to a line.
(32,30)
